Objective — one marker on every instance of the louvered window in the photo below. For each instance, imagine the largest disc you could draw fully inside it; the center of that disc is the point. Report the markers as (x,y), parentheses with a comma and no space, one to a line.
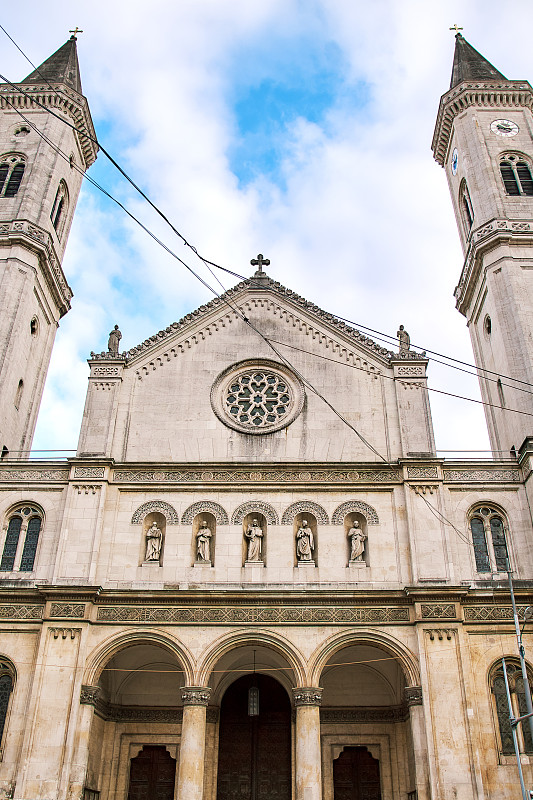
(11,173)
(516,175)
(59,208)
(467,211)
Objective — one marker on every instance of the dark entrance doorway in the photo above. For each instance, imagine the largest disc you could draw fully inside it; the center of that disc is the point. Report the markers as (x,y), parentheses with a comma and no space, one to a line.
(356,775)
(254,753)
(152,774)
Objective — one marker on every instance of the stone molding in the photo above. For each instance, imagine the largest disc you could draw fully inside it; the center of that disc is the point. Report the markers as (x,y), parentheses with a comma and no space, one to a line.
(21,612)
(440,633)
(481,475)
(53,273)
(270,475)
(89,695)
(67,610)
(364,714)
(252,614)
(309,696)
(202,507)
(413,696)
(438,611)
(305,507)
(255,506)
(159,506)
(65,633)
(195,695)
(351,506)
(33,475)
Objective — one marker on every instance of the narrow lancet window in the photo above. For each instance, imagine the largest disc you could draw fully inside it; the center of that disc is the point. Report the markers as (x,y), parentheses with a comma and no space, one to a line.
(11,174)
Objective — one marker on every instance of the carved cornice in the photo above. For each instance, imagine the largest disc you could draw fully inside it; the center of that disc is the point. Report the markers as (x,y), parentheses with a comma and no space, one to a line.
(40,241)
(67,101)
(309,696)
(481,239)
(195,695)
(484,94)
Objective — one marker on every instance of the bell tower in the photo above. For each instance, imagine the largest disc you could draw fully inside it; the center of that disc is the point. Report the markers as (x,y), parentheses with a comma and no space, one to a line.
(484,140)
(40,159)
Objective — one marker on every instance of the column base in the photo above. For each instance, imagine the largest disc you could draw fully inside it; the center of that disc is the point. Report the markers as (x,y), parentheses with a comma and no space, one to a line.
(306,564)
(151,564)
(357,564)
(254,563)
(202,564)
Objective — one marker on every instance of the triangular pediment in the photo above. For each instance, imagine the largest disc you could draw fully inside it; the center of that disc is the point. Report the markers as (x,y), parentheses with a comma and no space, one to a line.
(272,297)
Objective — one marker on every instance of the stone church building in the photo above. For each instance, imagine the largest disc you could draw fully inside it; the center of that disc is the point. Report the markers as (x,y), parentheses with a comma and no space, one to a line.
(226,594)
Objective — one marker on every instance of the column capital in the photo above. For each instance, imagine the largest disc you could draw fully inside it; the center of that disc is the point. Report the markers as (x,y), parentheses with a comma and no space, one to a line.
(307,696)
(89,694)
(195,695)
(413,695)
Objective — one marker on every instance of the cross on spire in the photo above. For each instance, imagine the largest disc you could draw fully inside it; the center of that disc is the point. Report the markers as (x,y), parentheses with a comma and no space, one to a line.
(456,28)
(258,262)
(75,32)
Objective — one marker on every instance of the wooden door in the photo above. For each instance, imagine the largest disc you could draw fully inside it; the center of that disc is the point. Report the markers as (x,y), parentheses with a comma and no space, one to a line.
(254,753)
(356,775)
(152,774)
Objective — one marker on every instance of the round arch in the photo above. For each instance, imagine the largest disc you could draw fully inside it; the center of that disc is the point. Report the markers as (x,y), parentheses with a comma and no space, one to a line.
(100,656)
(249,638)
(323,653)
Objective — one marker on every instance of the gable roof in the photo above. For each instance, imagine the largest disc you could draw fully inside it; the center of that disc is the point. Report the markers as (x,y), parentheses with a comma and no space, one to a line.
(259,282)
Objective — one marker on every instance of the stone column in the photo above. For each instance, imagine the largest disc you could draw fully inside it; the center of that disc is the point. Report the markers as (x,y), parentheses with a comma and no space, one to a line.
(78,768)
(413,699)
(308,753)
(192,744)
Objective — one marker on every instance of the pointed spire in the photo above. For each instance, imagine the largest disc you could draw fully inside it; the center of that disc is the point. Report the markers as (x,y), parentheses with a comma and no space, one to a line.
(469,65)
(61,67)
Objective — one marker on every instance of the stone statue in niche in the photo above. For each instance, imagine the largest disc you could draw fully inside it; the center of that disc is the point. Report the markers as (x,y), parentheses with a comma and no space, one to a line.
(154,540)
(357,539)
(404,340)
(114,339)
(304,542)
(203,543)
(254,534)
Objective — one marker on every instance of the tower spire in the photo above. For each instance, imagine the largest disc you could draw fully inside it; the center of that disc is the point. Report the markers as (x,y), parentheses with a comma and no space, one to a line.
(469,65)
(61,67)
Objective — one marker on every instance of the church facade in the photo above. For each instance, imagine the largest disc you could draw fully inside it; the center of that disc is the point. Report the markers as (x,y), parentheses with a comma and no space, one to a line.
(227,594)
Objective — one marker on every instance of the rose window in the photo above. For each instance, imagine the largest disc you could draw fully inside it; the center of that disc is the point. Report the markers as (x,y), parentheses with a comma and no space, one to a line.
(257,396)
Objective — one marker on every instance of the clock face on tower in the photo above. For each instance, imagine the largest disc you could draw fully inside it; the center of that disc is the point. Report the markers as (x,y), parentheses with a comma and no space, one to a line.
(455,161)
(504,127)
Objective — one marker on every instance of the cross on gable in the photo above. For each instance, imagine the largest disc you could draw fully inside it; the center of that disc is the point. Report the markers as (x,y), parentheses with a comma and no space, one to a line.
(259,261)
(456,28)
(75,32)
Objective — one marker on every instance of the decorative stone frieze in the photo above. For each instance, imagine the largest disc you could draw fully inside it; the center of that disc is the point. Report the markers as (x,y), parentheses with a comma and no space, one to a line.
(413,695)
(492,613)
(203,506)
(33,475)
(89,472)
(159,506)
(364,714)
(89,695)
(438,611)
(272,475)
(67,610)
(195,695)
(481,475)
(422,472)
(260,615)
(310,696)
(304,507)
(21,612)
(350,506)
(255,507)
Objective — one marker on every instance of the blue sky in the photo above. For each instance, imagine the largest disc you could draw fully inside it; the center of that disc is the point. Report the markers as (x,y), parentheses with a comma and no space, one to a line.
(300,130)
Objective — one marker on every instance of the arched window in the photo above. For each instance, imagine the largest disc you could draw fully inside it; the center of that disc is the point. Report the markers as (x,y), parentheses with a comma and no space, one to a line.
(518,705)
(489,539)
(7,681)
(11,172)
(18,395)
(59,209)
(516,175)
(467,211)
(22,530)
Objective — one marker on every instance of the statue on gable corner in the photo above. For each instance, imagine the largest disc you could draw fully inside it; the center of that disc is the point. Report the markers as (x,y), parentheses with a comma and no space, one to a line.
(405,341)
(113,342)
